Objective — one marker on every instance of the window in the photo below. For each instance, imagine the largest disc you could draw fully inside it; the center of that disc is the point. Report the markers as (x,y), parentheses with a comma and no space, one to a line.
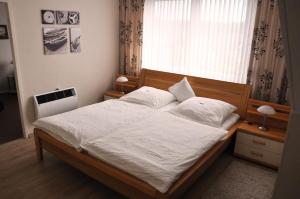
(206,38)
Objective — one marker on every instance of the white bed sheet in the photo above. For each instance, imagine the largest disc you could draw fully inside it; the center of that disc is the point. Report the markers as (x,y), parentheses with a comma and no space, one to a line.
(158,149)
(90,122)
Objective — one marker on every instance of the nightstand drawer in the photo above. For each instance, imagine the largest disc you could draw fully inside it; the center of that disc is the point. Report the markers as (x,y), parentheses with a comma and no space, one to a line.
(259,143)
(256,154)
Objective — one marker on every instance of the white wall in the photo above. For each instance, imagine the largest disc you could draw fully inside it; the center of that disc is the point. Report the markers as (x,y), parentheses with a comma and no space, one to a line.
(5,52)
(90,71)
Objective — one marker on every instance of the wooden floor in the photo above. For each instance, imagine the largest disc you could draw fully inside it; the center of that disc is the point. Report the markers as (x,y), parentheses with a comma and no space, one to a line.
(22,176)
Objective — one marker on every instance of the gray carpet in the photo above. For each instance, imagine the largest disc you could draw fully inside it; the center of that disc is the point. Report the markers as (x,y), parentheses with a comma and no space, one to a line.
(243,180)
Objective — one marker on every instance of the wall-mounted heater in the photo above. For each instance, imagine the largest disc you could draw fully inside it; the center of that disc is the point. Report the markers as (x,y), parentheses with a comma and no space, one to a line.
(55,102)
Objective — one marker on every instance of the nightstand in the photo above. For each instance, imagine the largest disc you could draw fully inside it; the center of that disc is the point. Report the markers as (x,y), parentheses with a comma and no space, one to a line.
(264,147)
(112,95)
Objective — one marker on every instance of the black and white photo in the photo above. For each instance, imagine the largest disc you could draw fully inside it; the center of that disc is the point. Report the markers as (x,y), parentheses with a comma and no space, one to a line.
(62,17)
(55,40)
(48,16)
(75,35)
(3,32)
(74,18)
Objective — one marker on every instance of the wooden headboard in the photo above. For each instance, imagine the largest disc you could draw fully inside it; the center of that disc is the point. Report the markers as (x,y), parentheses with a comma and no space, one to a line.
(233,93)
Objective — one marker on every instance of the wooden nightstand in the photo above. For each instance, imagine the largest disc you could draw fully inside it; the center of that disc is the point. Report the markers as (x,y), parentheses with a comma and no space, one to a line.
(112,95)
(264,147)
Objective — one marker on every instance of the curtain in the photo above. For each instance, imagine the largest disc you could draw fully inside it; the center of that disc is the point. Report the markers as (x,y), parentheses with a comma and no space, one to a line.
(131,36)
(267,71)
(206,38)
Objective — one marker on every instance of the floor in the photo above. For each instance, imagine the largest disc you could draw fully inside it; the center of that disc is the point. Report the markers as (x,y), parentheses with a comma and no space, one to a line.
(22,177)
(10,122)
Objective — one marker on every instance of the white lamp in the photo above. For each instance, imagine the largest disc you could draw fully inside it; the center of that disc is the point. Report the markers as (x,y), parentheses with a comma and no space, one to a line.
(266,110)
(122,79)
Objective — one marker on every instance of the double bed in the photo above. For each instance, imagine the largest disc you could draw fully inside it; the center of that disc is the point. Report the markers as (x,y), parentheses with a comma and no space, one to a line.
(139,151)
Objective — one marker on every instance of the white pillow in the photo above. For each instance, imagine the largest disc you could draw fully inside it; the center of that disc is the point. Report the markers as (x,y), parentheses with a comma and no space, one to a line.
(182,90)
(207,111)
(149,96)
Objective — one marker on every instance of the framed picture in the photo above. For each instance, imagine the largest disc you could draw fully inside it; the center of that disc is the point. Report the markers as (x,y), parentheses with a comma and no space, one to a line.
(3,32)
(75,35)
(55,40)
(48,16)
(62,17)
(74,18)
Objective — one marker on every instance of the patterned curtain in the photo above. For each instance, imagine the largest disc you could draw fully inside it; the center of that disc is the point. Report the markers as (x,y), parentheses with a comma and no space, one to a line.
(131,36)
(267,71)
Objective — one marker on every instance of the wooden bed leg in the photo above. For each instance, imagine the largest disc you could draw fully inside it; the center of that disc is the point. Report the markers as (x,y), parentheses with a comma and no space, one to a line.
(38,146)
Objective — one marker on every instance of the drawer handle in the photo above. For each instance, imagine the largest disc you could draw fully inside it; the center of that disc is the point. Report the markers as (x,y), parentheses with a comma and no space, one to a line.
(256,154)
(259,142)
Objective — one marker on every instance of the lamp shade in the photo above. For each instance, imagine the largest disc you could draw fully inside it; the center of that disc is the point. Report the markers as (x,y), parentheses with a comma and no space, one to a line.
(122,79)
(266,109)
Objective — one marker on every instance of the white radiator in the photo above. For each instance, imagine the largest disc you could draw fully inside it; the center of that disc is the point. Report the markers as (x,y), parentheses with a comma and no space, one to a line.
(55,102)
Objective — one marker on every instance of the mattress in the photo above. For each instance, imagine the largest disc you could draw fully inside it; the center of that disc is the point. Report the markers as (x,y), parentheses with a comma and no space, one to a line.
(158,149)
(91,122)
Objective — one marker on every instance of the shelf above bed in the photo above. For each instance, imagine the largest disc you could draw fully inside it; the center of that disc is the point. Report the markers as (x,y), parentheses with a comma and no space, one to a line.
(279,120)
(127,87)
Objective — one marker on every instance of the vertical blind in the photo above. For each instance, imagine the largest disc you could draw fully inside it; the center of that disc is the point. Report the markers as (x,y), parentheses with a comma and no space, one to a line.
(206,38)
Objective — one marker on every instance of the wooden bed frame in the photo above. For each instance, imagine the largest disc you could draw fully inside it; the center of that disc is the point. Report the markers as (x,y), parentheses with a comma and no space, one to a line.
(128,185)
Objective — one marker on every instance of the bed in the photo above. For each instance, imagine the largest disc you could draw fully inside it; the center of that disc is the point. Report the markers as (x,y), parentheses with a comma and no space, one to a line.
(130,185)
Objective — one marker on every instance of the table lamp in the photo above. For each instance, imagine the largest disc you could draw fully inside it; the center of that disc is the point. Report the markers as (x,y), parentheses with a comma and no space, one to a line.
(266,110)
(122,79)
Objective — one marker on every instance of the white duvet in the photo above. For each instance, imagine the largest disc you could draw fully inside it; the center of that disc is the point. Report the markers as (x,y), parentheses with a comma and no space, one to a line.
(156,150)
(79,126)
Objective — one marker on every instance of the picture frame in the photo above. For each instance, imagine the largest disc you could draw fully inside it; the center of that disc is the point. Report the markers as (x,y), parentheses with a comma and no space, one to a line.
(55,40)
(48,17)
(74,18)
(75,35)
(62,17)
